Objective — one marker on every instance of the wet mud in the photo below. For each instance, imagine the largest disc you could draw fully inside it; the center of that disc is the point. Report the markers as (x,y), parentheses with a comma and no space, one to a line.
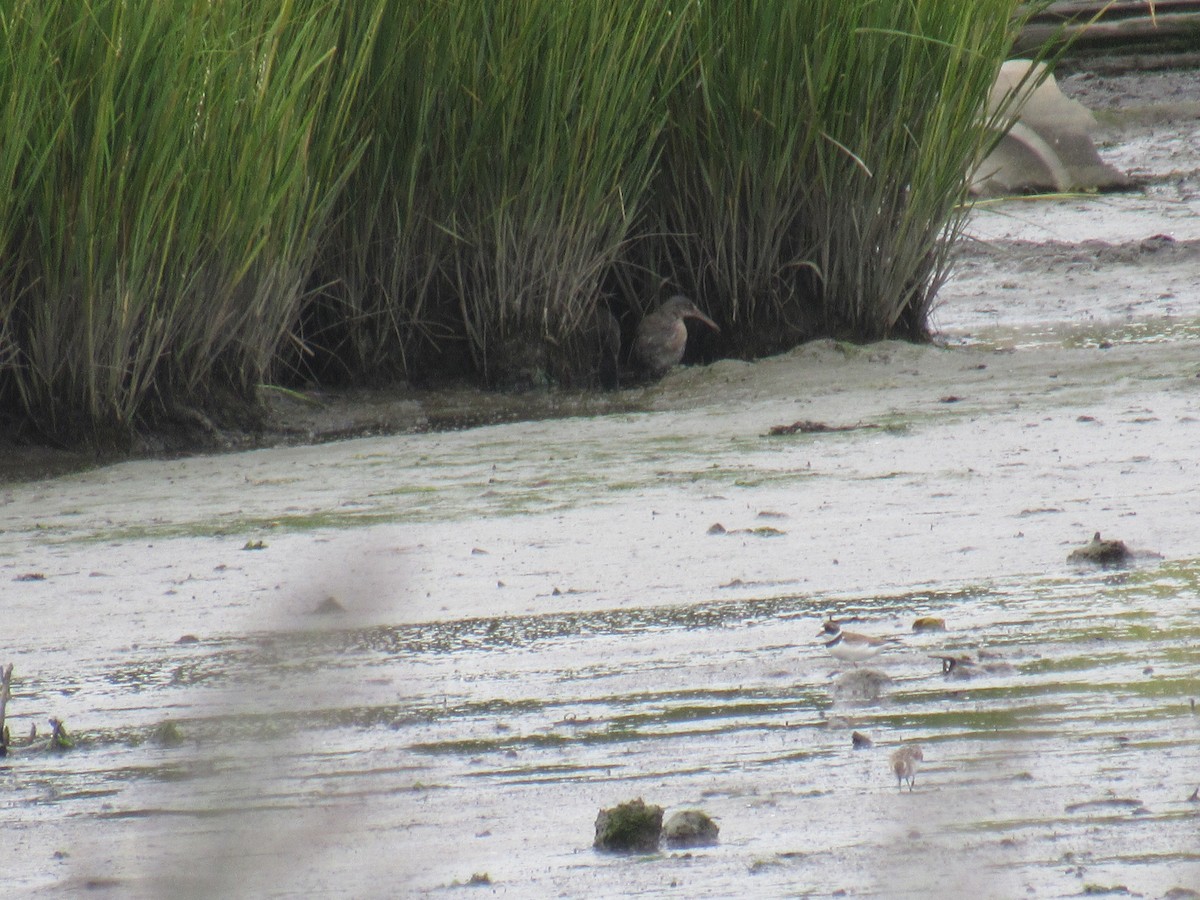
(391,665)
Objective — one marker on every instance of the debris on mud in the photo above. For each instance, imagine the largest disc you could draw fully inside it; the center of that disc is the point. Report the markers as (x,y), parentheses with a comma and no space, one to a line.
(1133,805)
(1101,889)
(716,528)
(690,828)
(805,426)
(1108,553)
(632,827)
(59,739)
(5,694)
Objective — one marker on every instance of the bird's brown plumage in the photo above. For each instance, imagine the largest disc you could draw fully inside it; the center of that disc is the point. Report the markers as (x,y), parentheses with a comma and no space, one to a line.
(662,335)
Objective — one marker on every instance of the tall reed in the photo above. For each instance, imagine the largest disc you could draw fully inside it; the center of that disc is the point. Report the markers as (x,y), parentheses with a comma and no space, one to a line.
(378,309)
(818,158)
(187,176)
(553,133)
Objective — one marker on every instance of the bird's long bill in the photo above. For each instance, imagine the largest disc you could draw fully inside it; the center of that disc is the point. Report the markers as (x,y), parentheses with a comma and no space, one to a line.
(694,313)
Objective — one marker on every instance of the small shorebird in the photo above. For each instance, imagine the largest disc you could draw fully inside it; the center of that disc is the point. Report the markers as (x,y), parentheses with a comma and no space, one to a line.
(662,335)
(850,646)
(962,667)
(904,764)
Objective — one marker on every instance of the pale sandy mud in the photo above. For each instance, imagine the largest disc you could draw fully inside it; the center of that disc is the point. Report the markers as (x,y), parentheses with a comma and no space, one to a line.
(538,622)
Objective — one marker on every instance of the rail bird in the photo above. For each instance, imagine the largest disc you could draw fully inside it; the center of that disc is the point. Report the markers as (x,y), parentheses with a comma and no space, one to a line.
(662,335)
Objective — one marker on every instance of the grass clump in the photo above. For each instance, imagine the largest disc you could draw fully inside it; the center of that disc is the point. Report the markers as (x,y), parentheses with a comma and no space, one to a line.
(404,189)
(818,160)
(172,200)
(555,139)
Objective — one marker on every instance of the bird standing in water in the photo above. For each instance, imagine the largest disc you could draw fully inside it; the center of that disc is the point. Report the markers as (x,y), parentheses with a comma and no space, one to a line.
(662,335)
(904,764)
(849,646)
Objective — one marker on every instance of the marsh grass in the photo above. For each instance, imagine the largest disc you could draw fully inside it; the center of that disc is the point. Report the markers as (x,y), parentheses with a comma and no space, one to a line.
(198,203)
(555,139)
(817,163)
(173,191)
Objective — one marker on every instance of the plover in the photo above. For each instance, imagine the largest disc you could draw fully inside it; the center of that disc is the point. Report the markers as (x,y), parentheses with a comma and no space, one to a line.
(850,646)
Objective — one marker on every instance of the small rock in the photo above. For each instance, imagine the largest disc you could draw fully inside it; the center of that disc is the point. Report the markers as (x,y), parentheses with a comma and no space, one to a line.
(1181,893)
(1129,803)
(928,623)
(167,734)
(716,528)
(1100,552)
(690,828)
(631,827)
(766,531)
(188,639)
(254,545)
(328,607)
(860,741)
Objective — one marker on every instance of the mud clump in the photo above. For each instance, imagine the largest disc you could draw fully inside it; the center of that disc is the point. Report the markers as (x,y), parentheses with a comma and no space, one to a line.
(1098,552)
(167,734)
(330,606)
(632,827)
(690,828)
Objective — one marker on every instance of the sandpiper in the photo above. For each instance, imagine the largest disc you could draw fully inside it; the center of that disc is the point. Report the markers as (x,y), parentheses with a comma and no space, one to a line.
(849,646)
(904,764)
(662,335)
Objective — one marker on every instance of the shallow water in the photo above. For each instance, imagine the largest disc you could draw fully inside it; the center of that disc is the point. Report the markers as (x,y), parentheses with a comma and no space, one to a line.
(401,758)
